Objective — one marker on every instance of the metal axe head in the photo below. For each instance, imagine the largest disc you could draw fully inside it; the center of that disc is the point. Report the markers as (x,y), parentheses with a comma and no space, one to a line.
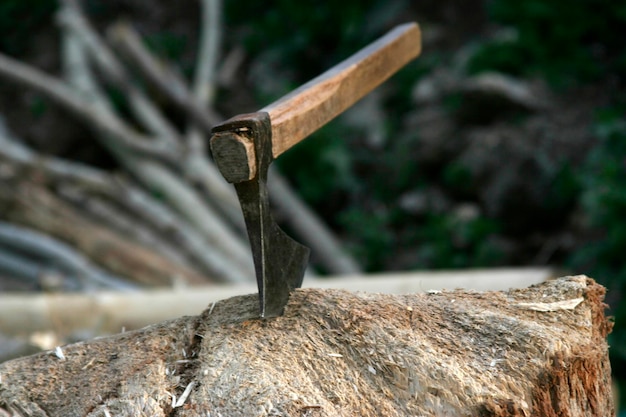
(244,146)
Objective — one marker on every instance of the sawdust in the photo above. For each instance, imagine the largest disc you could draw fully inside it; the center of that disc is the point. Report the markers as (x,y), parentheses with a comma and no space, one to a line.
(336,353)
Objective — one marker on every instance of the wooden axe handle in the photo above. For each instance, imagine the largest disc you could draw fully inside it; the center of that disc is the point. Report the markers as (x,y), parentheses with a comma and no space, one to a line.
(306,109)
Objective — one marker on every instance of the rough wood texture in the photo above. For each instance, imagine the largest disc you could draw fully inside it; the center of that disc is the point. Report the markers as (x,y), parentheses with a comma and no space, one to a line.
(539,351)
(234,155)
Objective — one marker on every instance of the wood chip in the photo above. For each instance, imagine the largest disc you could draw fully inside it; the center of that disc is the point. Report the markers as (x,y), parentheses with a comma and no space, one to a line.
(58,352)
(186,393)
(555,306)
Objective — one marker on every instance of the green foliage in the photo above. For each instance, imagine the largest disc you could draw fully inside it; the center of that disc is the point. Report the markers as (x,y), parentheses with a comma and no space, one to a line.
(310,34)
(167,45)
(565,189)
(455,178)
(38,107)
(322,166)
(604,195)
(379,231)
(372,235)
(451,241)
(401,99)
(305,38)
(604,202)
(562,40)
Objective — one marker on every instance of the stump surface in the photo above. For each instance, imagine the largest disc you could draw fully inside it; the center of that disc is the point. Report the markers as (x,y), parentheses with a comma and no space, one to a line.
(538,351)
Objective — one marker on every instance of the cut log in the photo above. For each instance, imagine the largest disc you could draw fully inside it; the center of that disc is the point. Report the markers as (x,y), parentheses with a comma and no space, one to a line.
(539,351)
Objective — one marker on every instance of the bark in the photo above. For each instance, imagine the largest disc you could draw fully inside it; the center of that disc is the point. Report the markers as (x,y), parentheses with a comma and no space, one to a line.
(538,351)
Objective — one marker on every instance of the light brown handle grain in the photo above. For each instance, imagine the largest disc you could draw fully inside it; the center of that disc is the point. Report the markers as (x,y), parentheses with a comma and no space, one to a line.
(306,109)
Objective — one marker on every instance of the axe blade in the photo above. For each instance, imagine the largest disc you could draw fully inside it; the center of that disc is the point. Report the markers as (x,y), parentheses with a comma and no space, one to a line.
(279,261)
(244,147)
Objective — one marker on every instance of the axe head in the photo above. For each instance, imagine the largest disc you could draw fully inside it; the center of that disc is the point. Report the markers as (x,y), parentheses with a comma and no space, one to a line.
(244,147)
(279,261)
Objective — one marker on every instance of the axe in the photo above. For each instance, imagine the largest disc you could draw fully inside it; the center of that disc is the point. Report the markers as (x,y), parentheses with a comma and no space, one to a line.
(244,146)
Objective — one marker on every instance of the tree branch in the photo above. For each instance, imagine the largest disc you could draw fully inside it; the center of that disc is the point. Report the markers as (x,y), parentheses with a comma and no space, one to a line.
(228,254)
(198,166)
(24,313)
(195,161)
(128,42)
(124,194)
(13,150)
(30,204)
(72,19)
(132,200)
(57,91)
(54,255)
(208,53)
(129,223)
(309,226)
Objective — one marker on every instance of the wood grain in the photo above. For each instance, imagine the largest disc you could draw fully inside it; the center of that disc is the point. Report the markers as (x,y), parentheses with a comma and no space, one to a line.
(234,155)
(539,351)
(315,103)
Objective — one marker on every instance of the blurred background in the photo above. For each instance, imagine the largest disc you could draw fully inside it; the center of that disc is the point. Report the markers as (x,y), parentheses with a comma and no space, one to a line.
(503,144)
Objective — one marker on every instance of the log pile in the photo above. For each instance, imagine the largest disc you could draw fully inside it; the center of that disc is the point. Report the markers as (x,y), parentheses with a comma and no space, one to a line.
(164,214)
(538,351)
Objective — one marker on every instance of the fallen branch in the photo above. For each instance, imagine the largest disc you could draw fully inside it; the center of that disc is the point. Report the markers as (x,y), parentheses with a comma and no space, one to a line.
(92,184)
(76,26)
(34,206)
(127,41)
(20,155)
(229,259)
(58,92)
(103,312)
(305,223)
(128,223)
(199,168)
(165,162)
(118,136)
(54,257)
(453,353)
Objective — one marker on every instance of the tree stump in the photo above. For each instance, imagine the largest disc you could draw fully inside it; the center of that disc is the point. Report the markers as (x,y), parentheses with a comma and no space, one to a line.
(539,351)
